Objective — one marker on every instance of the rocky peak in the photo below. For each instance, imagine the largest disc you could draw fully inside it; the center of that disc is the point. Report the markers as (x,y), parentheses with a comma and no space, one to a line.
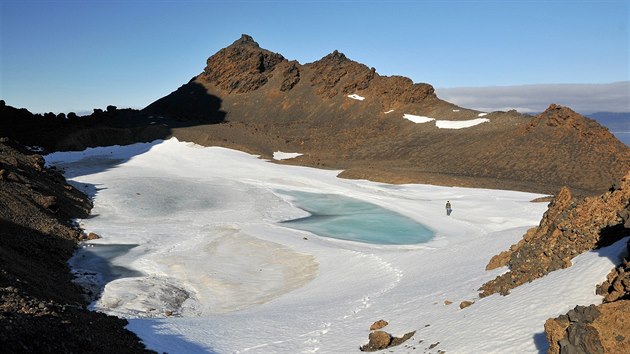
(558,123)
(245,40)
(560,116)
(336,74)
(241,67)
(335,56)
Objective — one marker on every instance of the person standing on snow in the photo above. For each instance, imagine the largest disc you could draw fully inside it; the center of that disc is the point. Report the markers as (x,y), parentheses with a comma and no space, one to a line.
(448,208)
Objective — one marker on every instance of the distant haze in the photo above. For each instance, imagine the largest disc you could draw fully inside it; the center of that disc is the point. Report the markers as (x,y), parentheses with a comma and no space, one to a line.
(582,98)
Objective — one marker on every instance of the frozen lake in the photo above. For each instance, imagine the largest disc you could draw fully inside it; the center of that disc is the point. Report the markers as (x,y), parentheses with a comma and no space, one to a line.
(196,252)
(351,219)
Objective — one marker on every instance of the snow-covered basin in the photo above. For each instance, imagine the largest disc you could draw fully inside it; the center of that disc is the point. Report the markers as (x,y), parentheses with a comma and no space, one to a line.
(208,267)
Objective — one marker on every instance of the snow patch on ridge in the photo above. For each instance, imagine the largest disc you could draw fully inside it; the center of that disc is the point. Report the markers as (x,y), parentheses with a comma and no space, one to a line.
(446,124)
(417,119)
(459,124)
(356,97)
(279,155)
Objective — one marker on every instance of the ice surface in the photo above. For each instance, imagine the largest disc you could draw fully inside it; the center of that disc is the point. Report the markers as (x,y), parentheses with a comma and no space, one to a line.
(215,271)
(352,219)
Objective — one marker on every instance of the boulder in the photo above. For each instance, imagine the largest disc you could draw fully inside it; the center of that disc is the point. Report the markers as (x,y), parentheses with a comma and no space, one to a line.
(378,325)
(465,304)
(93,236)
(377,340)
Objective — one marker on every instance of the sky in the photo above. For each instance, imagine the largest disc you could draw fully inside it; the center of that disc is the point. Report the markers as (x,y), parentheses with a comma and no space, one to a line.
(76,55)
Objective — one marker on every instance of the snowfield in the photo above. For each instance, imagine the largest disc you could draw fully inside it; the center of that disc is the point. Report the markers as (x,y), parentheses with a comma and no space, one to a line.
(194,255)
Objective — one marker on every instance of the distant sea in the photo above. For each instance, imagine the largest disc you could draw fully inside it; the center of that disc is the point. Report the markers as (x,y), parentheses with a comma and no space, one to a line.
(617,123)
(623,136)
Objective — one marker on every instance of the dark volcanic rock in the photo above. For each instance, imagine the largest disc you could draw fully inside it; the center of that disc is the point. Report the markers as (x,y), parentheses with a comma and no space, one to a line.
(573,333)
(593,329)
(41,310)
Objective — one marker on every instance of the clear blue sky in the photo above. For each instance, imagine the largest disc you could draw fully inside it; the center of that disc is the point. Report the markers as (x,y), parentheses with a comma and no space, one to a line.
(71,55)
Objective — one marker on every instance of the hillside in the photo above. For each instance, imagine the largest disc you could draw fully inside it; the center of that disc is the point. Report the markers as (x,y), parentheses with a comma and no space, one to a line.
(268,103)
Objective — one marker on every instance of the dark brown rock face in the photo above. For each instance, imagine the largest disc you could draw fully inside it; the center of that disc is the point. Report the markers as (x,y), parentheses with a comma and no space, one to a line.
(569,227)
(241,67)
(573,333)
(41,310)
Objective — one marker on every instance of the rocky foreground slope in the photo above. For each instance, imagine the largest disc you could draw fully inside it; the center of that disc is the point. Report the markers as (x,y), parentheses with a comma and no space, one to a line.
(570,227)
(41,310)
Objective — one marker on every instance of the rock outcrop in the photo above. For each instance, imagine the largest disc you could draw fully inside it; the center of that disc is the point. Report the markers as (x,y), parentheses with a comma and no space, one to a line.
(41,310)
(570,227)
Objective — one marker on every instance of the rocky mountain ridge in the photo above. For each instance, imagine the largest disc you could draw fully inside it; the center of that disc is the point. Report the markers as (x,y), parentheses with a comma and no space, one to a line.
(254,100)
(269,103)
